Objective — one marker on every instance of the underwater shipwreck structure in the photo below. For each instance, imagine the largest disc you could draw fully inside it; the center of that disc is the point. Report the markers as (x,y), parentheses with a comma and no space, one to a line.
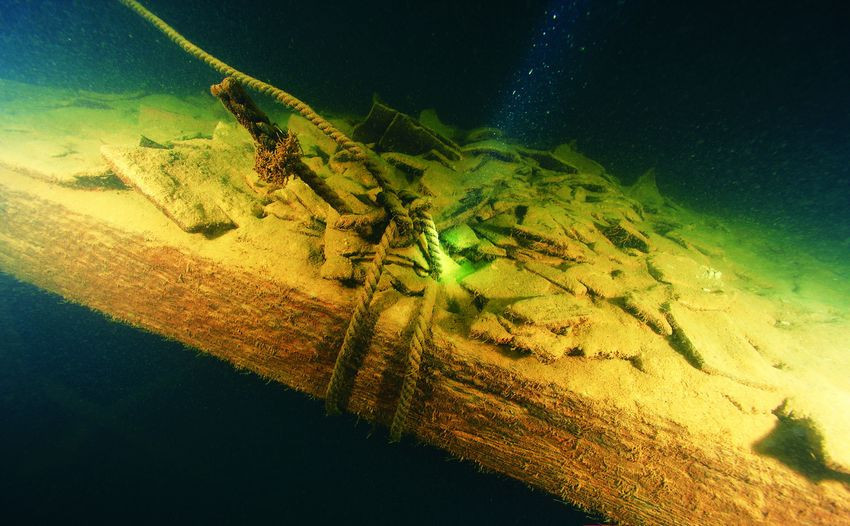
(516,307)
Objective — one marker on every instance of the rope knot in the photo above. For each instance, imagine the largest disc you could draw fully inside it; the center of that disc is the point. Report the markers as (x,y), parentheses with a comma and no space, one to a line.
(390,200)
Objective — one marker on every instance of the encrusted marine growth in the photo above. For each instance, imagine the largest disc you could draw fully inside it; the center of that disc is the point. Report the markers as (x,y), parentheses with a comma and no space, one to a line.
(278,165)
(278,153)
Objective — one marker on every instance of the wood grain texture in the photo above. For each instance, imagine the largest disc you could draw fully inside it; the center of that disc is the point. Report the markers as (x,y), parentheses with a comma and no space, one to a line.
(632,468)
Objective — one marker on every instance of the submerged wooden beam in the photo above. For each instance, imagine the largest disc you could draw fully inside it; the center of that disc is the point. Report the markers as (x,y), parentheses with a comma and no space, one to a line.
(633,467)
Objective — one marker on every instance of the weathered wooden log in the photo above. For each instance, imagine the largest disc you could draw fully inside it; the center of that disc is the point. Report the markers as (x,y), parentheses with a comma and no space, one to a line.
(286,324)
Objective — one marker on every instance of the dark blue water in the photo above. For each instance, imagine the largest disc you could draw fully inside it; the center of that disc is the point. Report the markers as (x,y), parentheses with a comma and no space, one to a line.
(103,423)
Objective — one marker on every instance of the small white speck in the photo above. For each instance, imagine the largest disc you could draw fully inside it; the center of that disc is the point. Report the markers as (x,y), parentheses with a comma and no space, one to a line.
(530,71)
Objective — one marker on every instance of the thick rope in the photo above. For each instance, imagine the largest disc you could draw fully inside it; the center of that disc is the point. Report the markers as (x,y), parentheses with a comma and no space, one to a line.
(358,321)
(419,207)
(433,239)
(414,361)
(390,201)
(278,94)
(401,221)
(402,218)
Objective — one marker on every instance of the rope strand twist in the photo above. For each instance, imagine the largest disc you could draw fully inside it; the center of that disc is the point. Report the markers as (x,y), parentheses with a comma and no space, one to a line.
(414,361)
(358,320)
(278,94)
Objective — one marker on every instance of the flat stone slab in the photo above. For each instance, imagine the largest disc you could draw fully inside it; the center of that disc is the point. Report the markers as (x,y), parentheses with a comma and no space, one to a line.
(647,306)
(459,238)
(567,154)
(544,345)
(685,272)
(395,131)
(312,140)
(558,277)
(717,346)
(487,328)
(543,230)
(612,334)
(623,234)
(56,135)
(555,312)
(147,170)
(493,148)
(503,279)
